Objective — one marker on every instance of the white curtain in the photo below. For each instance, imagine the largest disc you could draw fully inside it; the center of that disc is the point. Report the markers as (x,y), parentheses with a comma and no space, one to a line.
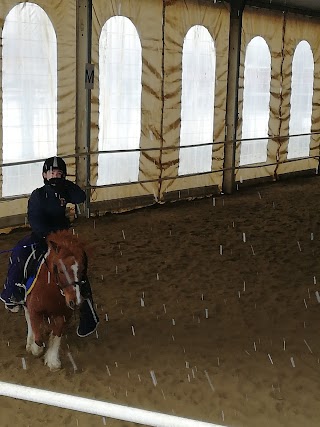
(197,100)
(256,98)
(120,68)
(29,82)
(301,100)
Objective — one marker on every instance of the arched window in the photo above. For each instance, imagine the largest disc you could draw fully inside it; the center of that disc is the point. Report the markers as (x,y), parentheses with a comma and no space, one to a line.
(197,100)
(120,67)
(301,100)
(256,98)
(29,83)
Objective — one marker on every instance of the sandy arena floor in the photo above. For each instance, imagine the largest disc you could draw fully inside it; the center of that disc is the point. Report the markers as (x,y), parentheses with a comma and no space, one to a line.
(229,327)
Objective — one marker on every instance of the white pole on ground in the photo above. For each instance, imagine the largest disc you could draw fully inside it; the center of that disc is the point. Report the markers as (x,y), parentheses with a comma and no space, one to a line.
(97,407)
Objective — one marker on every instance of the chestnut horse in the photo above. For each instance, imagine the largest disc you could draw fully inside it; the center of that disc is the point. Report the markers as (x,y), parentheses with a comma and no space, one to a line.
(55,294)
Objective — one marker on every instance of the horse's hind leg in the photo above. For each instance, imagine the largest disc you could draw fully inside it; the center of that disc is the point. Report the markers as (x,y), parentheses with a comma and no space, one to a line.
(32,346)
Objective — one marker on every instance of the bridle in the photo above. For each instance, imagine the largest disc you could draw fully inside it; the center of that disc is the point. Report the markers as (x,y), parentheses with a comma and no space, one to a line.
(77,284)
(58,281)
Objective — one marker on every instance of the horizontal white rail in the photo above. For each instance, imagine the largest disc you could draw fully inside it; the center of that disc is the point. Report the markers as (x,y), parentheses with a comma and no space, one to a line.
(96,407)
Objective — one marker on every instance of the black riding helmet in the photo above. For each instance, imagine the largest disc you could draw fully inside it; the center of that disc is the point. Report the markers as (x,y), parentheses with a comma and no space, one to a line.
(54,163)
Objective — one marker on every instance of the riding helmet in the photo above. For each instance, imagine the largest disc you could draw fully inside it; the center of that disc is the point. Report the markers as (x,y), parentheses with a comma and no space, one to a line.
(55,163)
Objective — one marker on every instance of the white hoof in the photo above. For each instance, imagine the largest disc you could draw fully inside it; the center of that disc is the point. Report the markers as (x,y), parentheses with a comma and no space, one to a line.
(35,349)
(51,358)
(53,363)
(30,343)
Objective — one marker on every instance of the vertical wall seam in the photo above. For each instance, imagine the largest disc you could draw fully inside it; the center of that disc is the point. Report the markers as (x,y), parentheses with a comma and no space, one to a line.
(162,99)
(279,139)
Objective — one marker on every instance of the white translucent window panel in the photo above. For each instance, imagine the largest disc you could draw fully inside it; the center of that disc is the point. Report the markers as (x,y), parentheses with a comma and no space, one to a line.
(301,100)
(29,82)
(256,99)
(197,101)
(120,67)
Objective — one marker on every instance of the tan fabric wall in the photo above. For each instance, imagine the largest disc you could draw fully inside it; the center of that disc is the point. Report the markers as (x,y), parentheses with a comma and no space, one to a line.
(282,33)
(62,14)
(148,22)
(269,26)
(298,29)
(180,16)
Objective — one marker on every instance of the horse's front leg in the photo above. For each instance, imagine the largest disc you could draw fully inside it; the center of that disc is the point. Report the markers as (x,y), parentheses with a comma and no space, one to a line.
(51,358)
(30,335)
(34,334)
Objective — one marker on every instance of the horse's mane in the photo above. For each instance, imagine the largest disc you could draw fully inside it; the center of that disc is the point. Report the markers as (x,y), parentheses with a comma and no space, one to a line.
(64,239)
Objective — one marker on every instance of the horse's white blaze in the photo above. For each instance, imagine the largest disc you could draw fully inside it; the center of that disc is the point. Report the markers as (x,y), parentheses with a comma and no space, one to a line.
(75,268)
(51,357)
(65,271)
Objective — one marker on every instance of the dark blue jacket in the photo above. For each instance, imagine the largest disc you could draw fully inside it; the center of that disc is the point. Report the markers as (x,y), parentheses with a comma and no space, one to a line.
(47,207)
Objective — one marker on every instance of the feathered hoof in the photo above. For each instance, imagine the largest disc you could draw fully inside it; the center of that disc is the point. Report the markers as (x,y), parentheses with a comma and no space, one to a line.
(53,364)
(35,349)
(55,368)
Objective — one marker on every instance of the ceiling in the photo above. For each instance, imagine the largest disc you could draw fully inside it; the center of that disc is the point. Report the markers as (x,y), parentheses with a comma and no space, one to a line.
(295,4)
(306,7)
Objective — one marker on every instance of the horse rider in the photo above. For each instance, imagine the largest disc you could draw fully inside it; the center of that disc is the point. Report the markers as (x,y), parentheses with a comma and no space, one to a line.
(46,214)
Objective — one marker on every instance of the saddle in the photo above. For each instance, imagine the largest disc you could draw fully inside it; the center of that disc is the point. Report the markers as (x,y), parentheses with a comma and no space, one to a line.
(31,269)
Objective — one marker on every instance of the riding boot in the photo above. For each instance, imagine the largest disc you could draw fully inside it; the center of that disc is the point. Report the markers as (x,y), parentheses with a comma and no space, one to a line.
(13,292)
(85,288)
(12,308)
(89,319)
(16,300)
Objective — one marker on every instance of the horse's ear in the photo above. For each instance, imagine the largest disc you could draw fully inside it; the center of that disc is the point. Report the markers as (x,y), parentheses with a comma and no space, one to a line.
(54,246)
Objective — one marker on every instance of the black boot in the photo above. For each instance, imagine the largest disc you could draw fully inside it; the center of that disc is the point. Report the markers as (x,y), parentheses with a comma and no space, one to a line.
(89,319)
(85,288)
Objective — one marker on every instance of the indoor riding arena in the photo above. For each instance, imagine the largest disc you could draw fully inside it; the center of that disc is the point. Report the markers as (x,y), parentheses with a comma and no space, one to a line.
(193,126)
